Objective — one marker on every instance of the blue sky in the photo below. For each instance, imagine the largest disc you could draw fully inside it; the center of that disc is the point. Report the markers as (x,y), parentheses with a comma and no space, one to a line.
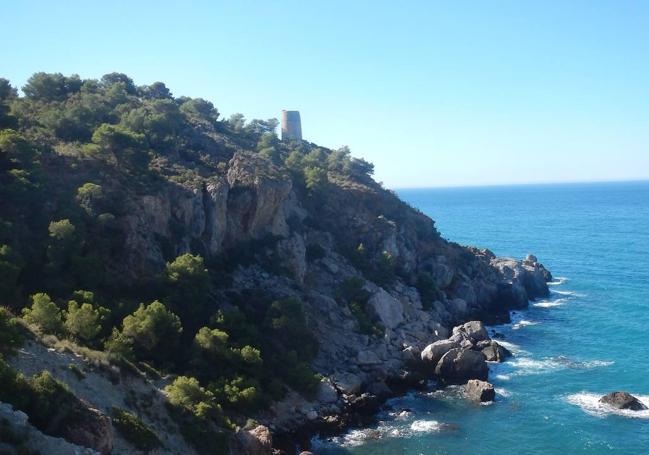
(433,93)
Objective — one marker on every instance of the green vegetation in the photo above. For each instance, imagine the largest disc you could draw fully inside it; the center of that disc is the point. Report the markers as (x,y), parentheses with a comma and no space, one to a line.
(140,435)
(11,332)
(77,158)
(44,313)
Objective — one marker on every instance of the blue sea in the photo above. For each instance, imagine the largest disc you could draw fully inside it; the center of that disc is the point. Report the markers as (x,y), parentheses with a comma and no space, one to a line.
(589,338)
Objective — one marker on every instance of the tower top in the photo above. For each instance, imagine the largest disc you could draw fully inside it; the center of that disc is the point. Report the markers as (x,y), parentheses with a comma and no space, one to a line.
(291,125)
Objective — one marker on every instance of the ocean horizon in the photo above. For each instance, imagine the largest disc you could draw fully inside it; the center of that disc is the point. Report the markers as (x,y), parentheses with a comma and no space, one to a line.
(585,340)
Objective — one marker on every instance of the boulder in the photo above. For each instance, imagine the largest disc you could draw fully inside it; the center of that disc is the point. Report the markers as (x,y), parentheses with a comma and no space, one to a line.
(257,441)
(458,366)
(494,352)
(347,383)
(623,400)
(387,309)
(474,331)
(434,352)
(479,390)
(326,392)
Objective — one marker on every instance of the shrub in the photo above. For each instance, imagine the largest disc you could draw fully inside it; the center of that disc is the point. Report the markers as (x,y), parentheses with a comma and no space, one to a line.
(11,334)
(140,435)
(85,322)
(44,313)
(151,333)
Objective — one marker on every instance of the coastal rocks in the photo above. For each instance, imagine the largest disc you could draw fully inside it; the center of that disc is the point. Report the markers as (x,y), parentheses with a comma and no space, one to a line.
(457,366)
(623,400)
(494,352)
(525,280)
(257,441)
(347,383)
(475,331)
(481,391)
(432,353)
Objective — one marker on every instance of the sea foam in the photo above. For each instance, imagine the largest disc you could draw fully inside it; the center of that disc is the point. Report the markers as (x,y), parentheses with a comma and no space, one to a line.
(550,303)
(559,280)
(523,323)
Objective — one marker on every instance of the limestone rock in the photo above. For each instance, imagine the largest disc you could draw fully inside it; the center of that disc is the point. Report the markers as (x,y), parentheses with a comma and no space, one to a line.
(326,392)
(494,352)
(435,351)
(479,390)
(473,330)
(388,309)
(458,366)
(623,400)
(348,383)
(257,441)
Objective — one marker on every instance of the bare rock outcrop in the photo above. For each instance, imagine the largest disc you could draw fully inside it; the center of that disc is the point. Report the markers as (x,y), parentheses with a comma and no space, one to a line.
(481,391)
(257,441)
(623,400)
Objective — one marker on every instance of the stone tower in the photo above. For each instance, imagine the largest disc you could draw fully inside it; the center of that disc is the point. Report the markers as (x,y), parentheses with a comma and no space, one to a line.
(291,125)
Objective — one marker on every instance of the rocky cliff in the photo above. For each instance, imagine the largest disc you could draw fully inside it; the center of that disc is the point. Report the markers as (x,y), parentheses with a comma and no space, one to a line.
(255,200)
(286,236)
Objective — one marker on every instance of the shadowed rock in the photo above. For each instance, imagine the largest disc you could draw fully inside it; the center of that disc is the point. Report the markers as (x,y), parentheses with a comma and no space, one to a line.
(458,366)
(623,400)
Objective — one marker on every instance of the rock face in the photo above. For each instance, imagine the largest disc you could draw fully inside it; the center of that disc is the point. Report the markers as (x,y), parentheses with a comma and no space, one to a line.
(479,390)
(623,400)
(91,429)
(257,441)
(32,439)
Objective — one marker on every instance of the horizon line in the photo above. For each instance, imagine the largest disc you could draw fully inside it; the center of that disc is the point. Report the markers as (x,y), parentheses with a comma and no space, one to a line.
(496,185)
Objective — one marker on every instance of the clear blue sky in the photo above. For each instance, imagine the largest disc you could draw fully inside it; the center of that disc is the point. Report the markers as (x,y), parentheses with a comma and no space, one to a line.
(434,93)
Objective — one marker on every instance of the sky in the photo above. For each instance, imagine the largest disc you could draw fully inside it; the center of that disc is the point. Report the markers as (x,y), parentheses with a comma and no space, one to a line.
(433,93)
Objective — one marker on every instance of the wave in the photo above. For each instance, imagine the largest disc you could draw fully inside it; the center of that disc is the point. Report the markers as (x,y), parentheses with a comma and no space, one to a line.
(558,280)
(503,392)
(514,348)
(527,366)
(426,426)
(523,323)
(384,430)
(550,303)
(503,377)
(568,293)
(589,403)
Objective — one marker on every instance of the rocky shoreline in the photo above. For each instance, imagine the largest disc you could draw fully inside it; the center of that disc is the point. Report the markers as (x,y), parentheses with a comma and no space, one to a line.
(458,356)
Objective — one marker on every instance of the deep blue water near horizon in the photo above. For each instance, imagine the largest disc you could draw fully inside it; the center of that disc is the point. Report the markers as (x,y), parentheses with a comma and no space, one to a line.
(589,338)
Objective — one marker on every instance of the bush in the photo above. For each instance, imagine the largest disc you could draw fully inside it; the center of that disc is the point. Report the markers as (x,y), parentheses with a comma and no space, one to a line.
(151,333)
(44,313)
(140,435)
(85,322)
(11,333)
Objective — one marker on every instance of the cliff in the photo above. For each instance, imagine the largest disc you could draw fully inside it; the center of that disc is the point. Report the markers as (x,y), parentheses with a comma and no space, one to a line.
(274,222)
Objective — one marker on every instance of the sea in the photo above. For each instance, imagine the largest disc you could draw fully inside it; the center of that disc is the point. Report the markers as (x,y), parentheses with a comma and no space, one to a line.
(590,337)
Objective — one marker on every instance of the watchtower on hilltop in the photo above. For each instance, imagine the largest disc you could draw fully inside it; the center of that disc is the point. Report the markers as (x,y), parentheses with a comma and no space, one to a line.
(291,125)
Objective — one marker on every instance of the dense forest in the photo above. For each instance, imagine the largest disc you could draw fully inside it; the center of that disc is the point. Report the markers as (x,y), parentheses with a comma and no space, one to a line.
(73,153)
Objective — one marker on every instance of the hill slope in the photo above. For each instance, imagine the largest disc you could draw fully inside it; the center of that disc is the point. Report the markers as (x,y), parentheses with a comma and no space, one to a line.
(277,279)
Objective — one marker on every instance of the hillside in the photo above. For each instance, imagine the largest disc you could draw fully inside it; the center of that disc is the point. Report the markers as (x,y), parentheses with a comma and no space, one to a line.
(194,277)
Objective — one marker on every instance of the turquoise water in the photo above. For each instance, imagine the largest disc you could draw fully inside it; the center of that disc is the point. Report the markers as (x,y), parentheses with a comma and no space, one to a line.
(590,337)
